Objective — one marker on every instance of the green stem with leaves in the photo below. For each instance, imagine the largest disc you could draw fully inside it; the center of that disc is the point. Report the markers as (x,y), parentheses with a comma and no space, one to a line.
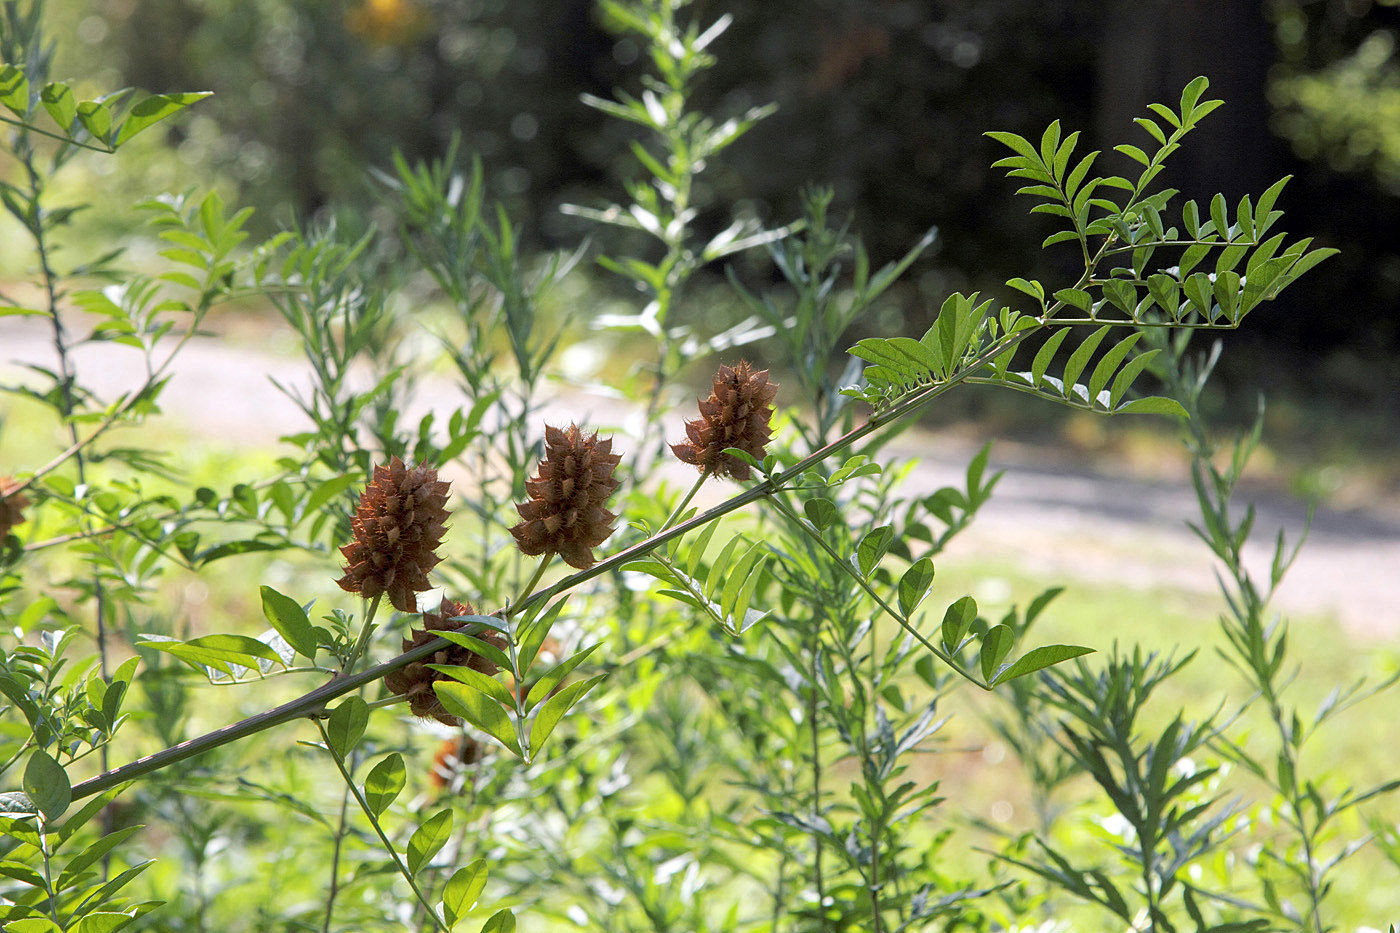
(850,571)
(679,510)
(379,831)
(363,640)
(318,698)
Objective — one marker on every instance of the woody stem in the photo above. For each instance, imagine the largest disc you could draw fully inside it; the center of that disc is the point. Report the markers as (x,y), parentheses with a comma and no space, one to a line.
(534,581)
(679,510)
(363,640)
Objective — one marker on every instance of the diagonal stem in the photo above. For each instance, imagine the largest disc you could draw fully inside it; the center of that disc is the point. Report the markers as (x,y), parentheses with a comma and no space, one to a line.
(379,830)
(870,591)
(340,686)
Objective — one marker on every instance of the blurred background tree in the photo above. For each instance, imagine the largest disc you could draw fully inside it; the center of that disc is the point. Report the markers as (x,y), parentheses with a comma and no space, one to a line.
(885,99)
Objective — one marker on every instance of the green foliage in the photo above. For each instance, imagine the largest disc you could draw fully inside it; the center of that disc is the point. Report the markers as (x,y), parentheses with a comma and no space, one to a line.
(707,728)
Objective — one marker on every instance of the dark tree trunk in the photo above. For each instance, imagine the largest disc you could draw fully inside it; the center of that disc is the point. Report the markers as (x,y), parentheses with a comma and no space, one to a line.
(1152,48)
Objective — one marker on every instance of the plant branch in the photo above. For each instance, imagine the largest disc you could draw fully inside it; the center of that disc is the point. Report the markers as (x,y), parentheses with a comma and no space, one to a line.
(679,510)
(379,830)
(318,698)
(870,591)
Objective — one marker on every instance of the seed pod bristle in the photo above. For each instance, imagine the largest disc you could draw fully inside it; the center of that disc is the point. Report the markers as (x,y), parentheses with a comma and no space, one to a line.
(565,513)
(415,680)
(397,527)
(737,414)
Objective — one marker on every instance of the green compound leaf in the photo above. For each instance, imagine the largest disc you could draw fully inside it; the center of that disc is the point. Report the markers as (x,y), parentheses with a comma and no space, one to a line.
(59,101)
(33,925)
(96,117)
(821,512)
(478,681)
(479,710)
(153,109)
(46,784)
(428,839)
(872,547)
(1154,405)
(554,709)
(215,652)
(384,782)
(14,90)
(346,724)
(1038,659)
(502,921)
(957,620)
(914,585)
(996,645)
(463,890)
(290,621)
(103,921)
(555,676)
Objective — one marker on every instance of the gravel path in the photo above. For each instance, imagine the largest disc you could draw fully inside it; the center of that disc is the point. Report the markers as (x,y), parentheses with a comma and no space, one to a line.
(1049,514)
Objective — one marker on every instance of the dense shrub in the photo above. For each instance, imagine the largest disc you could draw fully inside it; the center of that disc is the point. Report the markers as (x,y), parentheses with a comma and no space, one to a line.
(691,727)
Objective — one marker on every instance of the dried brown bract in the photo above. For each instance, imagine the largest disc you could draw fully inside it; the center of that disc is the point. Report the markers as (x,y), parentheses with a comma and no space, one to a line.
(564,514)
(12,505)
(737,414)
(397,528)
(416,680)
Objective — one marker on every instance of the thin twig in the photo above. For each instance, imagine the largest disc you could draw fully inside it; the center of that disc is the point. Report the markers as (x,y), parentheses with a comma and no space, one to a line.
(318,698)
(379,830)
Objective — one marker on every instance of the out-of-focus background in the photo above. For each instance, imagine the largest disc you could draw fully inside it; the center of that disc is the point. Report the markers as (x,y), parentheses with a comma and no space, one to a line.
(887,101)
(884,99)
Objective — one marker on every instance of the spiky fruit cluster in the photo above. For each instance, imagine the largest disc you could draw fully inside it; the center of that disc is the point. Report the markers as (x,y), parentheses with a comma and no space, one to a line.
(416,680)
(564,514)
(453,756)
(397,528)
(12,505)
(737,414)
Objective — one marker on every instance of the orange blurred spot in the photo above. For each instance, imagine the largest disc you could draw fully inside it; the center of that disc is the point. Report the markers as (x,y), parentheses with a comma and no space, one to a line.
(387,22)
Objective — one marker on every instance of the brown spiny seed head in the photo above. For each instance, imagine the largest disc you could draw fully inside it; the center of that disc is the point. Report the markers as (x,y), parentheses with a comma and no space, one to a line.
(564,514)
(12,505)
(737,414)
(416,680)
(453,756)
(396,530)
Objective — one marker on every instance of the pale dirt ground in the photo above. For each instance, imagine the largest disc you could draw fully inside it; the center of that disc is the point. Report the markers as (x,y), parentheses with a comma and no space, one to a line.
(1052,514)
